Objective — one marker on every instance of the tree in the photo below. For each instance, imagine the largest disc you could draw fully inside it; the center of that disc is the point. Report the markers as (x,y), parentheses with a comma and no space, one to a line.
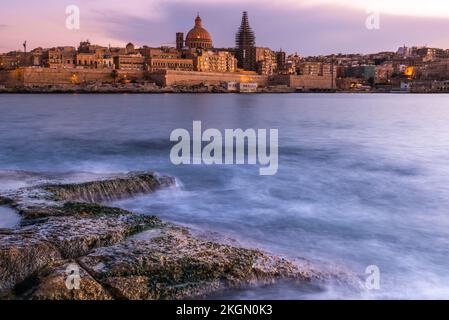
(114,75)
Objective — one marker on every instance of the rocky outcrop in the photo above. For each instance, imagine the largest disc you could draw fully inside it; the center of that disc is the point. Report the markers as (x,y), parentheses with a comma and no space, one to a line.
(21,255)
(119,254)
(54,284)
(45,199)
(171,264)
(6,201)
(110,189)
(82,228)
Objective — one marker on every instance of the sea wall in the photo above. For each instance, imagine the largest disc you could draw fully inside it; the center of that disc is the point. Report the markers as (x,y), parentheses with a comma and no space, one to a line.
(305,82)
(46,77)
(29,77)
(190,78)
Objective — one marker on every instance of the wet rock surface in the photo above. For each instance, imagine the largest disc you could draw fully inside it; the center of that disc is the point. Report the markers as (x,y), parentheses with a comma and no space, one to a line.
(110,189)
(171,264)
(54,281)
(119,254)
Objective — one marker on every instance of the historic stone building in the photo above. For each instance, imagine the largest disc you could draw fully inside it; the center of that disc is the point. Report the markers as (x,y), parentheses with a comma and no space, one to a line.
(9,62)
(62,57)
(166,58)
(198,37)
(179,41)
(215,61)
(129,62)
(93,57)
(266,61)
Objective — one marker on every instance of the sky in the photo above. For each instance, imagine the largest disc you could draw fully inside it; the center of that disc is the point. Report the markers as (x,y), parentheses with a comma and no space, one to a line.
(308,27)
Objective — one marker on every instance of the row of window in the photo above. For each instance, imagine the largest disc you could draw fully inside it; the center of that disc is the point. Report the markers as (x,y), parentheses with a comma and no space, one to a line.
(172,65)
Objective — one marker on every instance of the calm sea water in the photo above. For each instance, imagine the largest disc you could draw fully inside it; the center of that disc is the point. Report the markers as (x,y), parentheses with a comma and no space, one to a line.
(363,179)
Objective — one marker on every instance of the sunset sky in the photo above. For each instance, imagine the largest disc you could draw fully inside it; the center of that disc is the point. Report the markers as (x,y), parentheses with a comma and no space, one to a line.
(309,27)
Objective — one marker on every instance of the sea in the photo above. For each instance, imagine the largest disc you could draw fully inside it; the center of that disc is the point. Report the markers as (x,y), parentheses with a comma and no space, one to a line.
(363,179)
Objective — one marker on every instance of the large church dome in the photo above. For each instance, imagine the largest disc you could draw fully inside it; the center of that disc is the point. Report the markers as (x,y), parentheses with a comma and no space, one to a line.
(199,37)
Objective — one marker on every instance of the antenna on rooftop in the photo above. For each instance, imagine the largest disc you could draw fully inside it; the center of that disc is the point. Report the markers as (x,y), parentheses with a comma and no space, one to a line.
(25,51)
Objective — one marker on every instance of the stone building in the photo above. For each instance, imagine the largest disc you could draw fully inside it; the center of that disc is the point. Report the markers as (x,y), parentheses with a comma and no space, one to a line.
(93,57)
(130,62)
(40,57)
(311,76)
(266,61)
(62,57)
(215,61)
(9,62)
(94,60)
(179,41)
(198,37)
(384,72)
(166,58)
(435,70)
(156,64)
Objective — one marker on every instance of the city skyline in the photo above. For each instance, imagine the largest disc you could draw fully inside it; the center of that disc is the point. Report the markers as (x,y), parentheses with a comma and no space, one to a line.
(309,28)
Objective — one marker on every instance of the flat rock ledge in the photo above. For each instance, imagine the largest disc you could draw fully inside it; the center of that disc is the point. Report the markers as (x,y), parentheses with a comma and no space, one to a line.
(118,254)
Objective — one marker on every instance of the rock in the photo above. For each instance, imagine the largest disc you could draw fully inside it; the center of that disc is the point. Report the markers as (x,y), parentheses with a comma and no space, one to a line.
(52,284)
(86,227)
(21,255)
(77,209)
(83,228)
(110,189)
(122,255)
(172,264)
(6,201)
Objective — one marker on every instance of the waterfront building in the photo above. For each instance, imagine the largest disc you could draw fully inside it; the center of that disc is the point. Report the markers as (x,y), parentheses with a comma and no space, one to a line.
(245,42)
(94,60)
(39,57)
(384,72)
(311,76)
(247,87)
(215,61)
(91,56)
(199,37)
(232,86)
(62,57)
(434,70)
(9,62)
(266,61)
(156,64)
(134,61)
(166,58)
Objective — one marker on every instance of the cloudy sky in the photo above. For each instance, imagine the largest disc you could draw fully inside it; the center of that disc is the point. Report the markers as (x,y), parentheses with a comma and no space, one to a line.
(309,27)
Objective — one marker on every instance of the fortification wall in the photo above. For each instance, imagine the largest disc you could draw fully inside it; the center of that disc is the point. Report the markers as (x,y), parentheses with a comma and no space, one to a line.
(11,78)
(307,82)
(171,77)
(47,77)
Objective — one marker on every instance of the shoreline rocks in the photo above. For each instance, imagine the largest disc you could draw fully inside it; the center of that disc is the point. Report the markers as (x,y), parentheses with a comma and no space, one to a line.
(120,254)
(110,189)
